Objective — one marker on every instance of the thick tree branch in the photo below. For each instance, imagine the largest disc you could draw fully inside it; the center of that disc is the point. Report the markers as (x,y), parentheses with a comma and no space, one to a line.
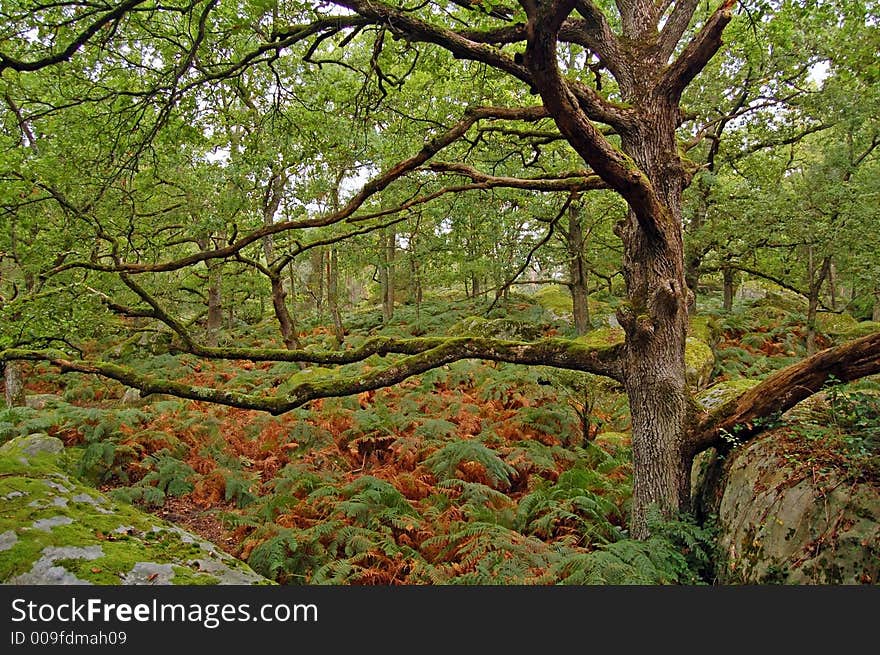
(675,26)
(573,182)
(611,164)
(784,389)
(697,53)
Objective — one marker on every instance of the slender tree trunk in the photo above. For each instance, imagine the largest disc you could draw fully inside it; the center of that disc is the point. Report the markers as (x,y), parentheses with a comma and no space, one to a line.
(282,314)
(316,279)
(816,279)
(475,285)
(215,305)
(577,273)
(727,274)
(333,295)
(875,315)
(386,274)
(14,380)
(832,286)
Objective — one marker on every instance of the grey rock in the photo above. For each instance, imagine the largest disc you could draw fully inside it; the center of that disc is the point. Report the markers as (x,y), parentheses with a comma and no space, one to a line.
(33,444)
(46,572)
(53,522)
(41,400)
(144,573)
(8,539)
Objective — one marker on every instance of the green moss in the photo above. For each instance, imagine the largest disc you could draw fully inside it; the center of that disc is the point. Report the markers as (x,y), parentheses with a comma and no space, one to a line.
(863,329)
(720,394)
(602,337)
(705,328)
(699,361)
(835,324)
(186,576)
(125,535)
(555,298)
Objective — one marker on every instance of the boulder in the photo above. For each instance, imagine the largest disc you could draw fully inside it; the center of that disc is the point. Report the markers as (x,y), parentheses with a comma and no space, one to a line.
(497,328)
(783,521)
(56,530)
(42,400)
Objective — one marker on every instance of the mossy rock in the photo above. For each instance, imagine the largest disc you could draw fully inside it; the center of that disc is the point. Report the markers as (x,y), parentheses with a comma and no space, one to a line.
(706,328)
(699,362)
(56,530)
(862,329)
(603,336)
(779,522)
(497,328)
(834,324)
(765,293)
(555,298)
(722,393)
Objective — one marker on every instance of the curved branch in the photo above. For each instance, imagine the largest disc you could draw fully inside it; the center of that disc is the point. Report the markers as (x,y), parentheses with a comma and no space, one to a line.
(611,164)
(370,188)
(559,353)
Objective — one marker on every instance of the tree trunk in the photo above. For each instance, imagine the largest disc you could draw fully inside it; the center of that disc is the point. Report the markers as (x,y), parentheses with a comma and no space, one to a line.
(816,279)
(875,315)
(729,288)
(386,274)
(316,279)
(333,295)
(14,381)
(215,306)
(656,328)
(282,314)
(577,273)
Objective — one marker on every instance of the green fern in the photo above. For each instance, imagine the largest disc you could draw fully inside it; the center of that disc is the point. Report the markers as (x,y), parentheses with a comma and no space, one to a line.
(445,461)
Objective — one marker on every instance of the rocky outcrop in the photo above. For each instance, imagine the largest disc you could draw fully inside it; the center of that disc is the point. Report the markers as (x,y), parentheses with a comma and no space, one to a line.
(56,530)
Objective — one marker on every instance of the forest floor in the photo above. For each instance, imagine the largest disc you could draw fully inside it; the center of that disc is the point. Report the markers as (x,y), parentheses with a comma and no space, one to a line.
(473,473)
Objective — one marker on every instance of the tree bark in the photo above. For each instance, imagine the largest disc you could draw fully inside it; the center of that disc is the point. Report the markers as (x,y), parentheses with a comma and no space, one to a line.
(387,243)
(215,304)
(727,275)
(875,315)
(282,314)
(577,273)
(816,279)
(316,279)
(333,295)
(14,380)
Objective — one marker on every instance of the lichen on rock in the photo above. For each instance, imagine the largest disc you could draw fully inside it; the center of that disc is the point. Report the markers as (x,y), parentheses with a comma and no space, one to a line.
(56,530)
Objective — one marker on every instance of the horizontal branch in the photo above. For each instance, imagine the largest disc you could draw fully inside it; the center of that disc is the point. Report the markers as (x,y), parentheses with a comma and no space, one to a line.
(559,353)
(574,182)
